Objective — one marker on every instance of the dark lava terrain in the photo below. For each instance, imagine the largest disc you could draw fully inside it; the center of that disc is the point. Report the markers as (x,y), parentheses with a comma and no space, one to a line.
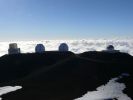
(57,75)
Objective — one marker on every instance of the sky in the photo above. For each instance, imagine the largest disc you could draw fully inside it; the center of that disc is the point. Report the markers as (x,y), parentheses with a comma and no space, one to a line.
(65,19)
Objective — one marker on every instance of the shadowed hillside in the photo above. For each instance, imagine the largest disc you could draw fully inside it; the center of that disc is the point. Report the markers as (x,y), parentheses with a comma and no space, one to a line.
(62,75)
(19,65)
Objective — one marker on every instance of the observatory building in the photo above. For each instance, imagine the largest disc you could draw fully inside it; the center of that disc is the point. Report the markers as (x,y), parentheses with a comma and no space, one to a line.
(111,49)
(63,47)
(39,48)
(13,49)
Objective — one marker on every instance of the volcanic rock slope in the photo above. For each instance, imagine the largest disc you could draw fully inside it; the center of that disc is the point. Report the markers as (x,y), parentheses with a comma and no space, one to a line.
(62,75)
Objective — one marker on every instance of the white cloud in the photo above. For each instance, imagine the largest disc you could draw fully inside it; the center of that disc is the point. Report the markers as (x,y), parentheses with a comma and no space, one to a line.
(76,46)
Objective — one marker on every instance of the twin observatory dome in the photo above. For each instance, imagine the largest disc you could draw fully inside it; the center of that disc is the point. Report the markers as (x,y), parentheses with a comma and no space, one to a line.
(40,47)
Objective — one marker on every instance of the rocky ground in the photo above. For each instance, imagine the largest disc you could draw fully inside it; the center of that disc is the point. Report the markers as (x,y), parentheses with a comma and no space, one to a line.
(62,75)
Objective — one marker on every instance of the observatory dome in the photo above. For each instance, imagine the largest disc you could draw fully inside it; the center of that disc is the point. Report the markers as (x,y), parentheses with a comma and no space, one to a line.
(110,47)
(13,49)
(39,48)
(13,45)
(63,47)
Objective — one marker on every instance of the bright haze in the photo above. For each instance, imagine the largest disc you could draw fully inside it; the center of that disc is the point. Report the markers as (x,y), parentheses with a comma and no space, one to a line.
(65,19)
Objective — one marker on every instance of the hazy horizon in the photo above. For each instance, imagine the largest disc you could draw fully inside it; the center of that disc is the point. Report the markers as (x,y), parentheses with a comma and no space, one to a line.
(45,39)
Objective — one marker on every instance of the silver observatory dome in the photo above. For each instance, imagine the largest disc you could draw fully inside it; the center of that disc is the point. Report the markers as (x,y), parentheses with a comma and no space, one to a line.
(63,47)
(39,48)
(110,47)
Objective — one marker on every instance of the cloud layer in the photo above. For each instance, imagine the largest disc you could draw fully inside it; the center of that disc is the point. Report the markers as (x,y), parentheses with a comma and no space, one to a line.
(76,46)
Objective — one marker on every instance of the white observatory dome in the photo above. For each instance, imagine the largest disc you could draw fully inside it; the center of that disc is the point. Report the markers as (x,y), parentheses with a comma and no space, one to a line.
(39,48)
(13,49)
(63,47)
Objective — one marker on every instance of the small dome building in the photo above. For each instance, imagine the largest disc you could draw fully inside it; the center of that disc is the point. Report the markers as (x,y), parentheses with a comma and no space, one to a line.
(110,48)
(39,48)
(13,49)
(63,47)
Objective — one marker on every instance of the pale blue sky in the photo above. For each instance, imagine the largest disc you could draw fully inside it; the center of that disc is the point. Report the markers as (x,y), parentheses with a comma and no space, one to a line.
(65,19)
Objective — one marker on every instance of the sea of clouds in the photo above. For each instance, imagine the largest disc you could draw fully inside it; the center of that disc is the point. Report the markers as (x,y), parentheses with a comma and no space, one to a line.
(76,46)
